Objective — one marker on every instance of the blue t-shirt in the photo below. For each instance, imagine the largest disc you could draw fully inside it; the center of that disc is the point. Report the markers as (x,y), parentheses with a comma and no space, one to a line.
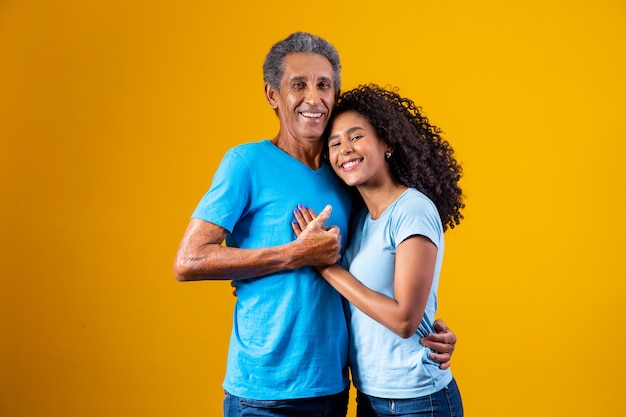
(289,337)
(384,364)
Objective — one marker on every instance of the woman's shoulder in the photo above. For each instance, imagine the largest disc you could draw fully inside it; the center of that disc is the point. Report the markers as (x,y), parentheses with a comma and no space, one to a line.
(413,197)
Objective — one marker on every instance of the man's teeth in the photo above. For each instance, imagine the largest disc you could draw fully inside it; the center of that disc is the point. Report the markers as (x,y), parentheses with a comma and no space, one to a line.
(315,115)
(350,164)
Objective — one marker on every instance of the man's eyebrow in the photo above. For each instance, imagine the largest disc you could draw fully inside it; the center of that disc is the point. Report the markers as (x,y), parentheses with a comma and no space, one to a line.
(304,78)
(298,78)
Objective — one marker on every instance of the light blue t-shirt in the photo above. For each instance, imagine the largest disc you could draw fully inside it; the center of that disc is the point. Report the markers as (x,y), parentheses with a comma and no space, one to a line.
(384,364)
(289,337)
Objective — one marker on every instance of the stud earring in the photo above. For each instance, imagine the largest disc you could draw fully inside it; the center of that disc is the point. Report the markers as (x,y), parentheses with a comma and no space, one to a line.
(387,155)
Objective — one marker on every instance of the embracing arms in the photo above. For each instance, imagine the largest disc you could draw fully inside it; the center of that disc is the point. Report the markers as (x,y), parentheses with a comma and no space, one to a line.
(415,262)
(202,256)
(442,343)
(402,313)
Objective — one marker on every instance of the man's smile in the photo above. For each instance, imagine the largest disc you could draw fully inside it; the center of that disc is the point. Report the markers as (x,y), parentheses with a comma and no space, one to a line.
(312,115)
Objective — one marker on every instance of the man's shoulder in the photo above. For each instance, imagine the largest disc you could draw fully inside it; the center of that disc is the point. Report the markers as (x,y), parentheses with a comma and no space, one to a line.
(254,155)
(250,147)
(257,155)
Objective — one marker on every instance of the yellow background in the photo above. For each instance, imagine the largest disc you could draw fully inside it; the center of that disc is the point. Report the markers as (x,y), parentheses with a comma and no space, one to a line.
(114,115)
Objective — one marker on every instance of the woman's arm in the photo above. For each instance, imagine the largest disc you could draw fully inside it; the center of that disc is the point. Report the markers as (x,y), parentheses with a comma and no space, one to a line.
(402,314)
(414,269)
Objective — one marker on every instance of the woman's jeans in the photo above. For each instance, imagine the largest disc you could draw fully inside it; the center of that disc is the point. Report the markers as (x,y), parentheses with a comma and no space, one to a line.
(328,406)
(446,402)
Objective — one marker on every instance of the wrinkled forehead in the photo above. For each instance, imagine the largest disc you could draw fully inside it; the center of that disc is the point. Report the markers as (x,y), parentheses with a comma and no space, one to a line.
(307,66)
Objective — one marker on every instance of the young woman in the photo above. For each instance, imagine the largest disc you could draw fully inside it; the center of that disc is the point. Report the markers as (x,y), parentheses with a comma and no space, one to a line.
(407,180)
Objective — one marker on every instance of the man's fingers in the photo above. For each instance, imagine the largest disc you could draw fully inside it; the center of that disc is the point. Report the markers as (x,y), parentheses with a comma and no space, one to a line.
(447,338)
(440,326)
(439,347)
(442,344)
(442,358)
(324,215)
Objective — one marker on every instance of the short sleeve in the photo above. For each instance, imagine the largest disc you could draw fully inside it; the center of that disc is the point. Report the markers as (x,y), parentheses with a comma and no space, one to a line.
(228,196)
(417,216)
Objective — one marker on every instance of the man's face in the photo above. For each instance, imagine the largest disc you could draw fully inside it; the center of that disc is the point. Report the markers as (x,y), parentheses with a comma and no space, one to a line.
(306,96)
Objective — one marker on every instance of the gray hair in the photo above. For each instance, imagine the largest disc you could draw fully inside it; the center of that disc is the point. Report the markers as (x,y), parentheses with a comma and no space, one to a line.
(295,43)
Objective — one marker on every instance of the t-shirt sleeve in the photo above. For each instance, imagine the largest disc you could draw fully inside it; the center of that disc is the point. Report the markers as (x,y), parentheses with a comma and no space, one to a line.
(417,217)
(227,199)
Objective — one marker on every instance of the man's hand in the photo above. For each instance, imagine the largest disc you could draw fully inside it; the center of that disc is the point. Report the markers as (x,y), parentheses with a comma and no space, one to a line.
(321,244)
(442,343)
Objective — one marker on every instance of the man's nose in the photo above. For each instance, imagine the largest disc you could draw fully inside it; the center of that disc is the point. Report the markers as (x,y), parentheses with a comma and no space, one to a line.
(312,96)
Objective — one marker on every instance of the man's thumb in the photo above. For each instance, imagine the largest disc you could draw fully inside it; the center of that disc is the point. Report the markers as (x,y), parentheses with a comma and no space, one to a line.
(324,214)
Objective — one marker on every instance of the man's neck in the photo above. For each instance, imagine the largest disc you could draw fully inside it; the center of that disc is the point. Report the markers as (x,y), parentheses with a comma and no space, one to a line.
(308,151)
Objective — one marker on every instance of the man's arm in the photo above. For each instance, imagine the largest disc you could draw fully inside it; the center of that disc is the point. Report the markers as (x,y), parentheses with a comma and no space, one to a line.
(443,343)
(201,255)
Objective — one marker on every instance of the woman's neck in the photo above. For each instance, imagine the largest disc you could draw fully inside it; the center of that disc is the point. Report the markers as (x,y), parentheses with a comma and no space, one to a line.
(379,198)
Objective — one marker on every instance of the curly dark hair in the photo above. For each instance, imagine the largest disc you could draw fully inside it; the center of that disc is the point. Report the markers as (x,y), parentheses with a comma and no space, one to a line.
(421,158)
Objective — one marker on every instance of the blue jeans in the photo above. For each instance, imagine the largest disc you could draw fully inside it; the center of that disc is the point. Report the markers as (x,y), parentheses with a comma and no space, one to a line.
(327,406)
(446,402)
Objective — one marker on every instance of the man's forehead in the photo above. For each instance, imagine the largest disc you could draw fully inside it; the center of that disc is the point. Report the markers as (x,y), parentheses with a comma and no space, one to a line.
(305,65)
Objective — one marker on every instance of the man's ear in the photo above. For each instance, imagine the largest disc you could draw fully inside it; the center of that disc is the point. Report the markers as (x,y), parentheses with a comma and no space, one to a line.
(337,95)
(270,96)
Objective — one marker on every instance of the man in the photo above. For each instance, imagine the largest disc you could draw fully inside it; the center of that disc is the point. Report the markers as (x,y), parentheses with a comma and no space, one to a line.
(289,342)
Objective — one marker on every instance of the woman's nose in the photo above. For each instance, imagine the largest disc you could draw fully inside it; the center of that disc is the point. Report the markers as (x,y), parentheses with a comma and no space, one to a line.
(345,149)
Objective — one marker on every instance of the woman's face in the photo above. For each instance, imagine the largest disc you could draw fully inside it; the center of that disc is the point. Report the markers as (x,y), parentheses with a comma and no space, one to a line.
(355,152)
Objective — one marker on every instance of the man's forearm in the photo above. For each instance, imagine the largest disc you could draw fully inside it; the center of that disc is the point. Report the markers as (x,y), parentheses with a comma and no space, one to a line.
(217,262)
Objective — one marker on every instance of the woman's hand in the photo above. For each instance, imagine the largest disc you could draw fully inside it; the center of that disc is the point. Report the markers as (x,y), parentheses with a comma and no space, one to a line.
(304,216)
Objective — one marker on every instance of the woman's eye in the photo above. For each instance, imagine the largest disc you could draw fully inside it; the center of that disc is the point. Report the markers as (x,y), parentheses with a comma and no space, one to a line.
(356,137)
